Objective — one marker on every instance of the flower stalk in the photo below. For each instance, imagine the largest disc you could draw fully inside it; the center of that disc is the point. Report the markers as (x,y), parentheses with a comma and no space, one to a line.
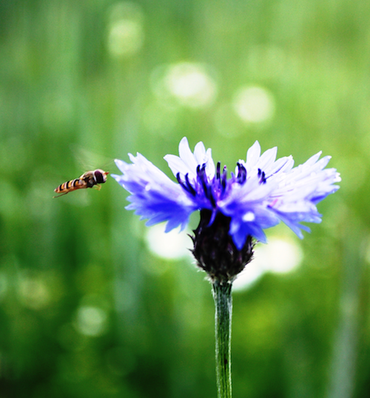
(223,316)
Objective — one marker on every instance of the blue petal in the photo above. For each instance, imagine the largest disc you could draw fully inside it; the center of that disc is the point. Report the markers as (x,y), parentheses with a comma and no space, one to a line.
(153,195)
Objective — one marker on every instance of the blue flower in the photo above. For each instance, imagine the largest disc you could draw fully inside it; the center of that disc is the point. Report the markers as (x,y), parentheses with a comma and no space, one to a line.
(261,192)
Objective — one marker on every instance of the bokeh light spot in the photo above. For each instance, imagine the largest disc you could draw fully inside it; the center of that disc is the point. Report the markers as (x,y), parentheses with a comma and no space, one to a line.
(172,245)
(125,30)
(33,292)
(190,84)
(254,104)
(280,256)
(91,321)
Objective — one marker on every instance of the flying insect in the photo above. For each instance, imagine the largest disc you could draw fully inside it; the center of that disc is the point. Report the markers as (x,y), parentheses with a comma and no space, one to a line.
(90,179)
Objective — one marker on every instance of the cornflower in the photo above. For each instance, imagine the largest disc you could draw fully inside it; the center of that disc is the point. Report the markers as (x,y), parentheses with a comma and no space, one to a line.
(234,212)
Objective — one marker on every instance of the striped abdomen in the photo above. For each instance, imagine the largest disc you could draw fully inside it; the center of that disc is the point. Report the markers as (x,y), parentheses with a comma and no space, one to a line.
(70,186)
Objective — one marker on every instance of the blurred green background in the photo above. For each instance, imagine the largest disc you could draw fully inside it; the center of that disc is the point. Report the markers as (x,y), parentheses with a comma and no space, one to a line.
(89,304)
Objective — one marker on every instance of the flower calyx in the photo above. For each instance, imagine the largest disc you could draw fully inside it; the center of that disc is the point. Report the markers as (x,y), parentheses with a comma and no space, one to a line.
(215,250)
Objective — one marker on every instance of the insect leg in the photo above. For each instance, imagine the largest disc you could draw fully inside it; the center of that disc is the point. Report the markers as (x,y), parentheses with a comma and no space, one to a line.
(58,196)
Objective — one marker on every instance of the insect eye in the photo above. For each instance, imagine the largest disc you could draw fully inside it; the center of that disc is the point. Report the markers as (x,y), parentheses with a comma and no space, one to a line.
(99,176)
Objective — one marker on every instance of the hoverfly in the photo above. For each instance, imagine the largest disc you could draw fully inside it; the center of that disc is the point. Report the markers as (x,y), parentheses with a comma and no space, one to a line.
(90,179)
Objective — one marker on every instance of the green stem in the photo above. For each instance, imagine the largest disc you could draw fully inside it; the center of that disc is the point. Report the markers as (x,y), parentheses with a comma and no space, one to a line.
(223,303)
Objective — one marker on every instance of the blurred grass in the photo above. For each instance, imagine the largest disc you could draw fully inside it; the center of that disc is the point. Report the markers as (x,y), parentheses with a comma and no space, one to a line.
(82,313)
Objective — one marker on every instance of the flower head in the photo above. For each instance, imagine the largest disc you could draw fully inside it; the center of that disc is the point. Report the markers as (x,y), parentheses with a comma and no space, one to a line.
(261,192)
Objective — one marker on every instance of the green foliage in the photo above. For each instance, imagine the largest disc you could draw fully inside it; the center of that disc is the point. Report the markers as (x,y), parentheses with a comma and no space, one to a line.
(85,309)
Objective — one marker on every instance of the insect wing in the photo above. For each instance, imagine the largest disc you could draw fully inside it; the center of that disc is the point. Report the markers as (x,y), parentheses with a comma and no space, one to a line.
(89,160)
